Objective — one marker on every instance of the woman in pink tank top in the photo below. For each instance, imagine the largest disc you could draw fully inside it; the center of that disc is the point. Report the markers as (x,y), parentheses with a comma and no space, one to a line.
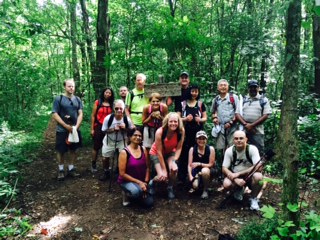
(167,149)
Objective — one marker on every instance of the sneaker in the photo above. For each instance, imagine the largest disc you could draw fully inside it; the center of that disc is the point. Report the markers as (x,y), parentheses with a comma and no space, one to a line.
(151,188)
(125,199)
(191,190)
(204,195)
(94,167)
(105,176)
(238,195)
(254,205)
(73,173)
(61,175)
(170,193)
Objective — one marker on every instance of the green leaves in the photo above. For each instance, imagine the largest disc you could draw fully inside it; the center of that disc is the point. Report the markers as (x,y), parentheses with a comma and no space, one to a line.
(268,211)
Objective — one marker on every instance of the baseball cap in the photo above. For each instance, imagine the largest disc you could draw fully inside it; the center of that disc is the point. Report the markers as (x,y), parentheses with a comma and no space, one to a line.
(253,83)
(202,134)
(184,73)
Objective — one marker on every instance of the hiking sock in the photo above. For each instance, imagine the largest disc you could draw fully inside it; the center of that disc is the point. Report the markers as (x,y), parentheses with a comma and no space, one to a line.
(61,167)
(70,167)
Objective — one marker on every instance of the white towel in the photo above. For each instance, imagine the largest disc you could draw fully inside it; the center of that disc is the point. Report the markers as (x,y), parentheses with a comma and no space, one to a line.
(73,136)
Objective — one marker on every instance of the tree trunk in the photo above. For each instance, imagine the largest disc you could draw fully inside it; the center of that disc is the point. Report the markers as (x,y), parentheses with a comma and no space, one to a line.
(316,50)
(73,32)
(87,33)
(289,152)
(99,75)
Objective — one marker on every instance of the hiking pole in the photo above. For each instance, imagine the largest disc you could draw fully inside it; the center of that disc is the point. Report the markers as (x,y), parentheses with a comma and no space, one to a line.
(268,155)
(112,164)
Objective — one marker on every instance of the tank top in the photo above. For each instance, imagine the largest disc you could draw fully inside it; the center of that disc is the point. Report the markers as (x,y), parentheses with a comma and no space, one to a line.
(170,145)
(102,112)
(136,167)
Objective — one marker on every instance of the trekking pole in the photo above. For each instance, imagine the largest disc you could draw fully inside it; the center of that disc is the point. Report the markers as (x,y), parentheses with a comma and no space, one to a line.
(269,154)
(113,158)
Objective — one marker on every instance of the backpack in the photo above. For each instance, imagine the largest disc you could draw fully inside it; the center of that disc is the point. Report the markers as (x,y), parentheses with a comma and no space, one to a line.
(78,101)
(132,95)
(206,153)
(262,100)
(164,134)
(125,120)
(98,107)
(231,100)
(234,156)
(184,105)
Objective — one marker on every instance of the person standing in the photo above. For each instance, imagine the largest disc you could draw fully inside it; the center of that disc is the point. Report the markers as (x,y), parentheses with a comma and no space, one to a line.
(67,112)
(115,126)
(136,100)
(152,117)
(255,111)
(184,83)
(123,91)
(101,108)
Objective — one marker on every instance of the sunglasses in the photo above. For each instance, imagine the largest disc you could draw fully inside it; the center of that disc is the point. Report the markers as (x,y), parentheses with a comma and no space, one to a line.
(117,108)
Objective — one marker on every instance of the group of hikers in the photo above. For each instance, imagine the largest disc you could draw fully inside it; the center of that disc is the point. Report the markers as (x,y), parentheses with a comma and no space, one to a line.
(158,147)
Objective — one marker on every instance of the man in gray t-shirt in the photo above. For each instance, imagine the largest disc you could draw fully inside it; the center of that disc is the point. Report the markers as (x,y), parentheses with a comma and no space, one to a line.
(67,112)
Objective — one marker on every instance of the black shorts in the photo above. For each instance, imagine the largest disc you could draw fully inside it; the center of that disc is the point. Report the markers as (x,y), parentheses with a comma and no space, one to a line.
(98,137)
(61,143)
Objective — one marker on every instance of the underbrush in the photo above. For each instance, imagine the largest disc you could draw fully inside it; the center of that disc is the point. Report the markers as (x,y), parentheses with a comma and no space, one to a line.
(17,147)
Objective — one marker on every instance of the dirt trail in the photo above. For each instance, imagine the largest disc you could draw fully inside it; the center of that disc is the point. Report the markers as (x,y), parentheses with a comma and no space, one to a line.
(84,209)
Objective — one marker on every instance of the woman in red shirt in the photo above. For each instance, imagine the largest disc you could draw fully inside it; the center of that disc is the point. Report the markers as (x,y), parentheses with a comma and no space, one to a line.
(101,108)
(167,149)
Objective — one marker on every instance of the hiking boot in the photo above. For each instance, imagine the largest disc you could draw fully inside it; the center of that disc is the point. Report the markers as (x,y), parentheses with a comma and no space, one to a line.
(94,167)
(125,199)
(254,204)
(238,195)
(73,173)
(105,176)
(170,193)
(61,175)
(204,195)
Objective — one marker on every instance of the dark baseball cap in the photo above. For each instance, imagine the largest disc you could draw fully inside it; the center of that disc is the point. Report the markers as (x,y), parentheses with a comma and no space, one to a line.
(253,83)
(184,73)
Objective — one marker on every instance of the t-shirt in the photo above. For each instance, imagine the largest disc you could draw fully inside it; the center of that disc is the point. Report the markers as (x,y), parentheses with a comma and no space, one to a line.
(241,163)
(170,145)
(252,110)
(225,109)
(136,105)
(136,167)
(65,106)
(114,136)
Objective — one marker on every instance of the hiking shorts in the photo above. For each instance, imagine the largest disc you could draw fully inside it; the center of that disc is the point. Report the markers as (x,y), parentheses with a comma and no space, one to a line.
(108,149)
(61,144)
(148,136)
(98,137)
(155,159)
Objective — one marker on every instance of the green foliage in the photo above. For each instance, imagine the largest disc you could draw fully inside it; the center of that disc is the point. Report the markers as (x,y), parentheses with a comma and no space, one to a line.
(273,227)
(13,224)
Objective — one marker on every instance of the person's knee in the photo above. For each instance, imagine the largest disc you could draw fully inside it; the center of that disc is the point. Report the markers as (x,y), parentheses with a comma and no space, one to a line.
(257,177)
(205,172)
(227,184)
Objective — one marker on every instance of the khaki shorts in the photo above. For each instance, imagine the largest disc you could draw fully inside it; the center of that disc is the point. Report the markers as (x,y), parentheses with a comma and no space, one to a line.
(148,136)
(108,150)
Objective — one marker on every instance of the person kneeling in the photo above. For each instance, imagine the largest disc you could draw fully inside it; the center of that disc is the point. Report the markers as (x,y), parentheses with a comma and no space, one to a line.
(201,161)
(238,161)
(134,170)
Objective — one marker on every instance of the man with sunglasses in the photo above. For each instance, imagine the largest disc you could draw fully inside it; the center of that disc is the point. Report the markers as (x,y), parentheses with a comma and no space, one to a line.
(67,112)
(238,161)
(115,126)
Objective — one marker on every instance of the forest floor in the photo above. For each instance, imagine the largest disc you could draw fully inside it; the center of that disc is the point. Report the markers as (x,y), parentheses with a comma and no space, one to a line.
(83,208)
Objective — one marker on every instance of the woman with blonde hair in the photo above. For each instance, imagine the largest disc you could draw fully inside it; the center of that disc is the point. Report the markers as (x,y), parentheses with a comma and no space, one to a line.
(166,150)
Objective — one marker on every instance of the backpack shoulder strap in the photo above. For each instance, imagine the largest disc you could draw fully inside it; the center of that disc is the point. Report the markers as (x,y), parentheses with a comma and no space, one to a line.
(234,157)
(184,105)
(216,104)
(126,122)
(127,152)
(110,120)
(247,154)
(231,98)
(263,102)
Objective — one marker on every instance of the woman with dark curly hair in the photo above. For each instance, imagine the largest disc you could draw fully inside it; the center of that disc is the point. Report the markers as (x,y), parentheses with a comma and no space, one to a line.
(102,107)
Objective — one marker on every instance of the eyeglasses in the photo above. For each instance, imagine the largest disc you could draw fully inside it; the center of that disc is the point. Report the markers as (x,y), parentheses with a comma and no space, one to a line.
(117,108)
(137,135)
(238,138)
